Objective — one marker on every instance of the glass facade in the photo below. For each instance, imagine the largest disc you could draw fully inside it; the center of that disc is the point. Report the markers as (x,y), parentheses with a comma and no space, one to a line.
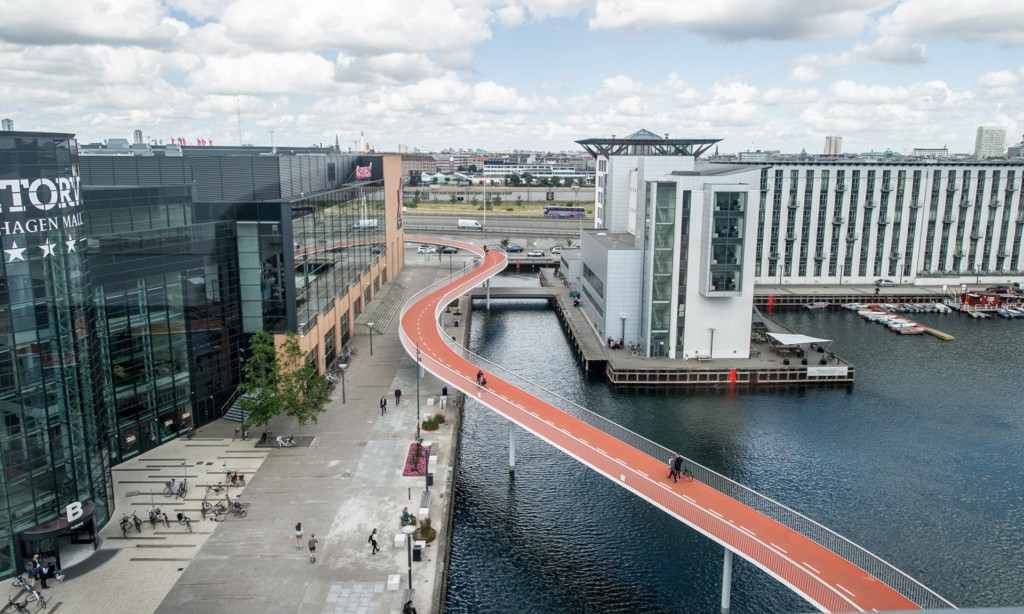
(165,292)
(54,438)
(664,255)
(725,271)
(338,236)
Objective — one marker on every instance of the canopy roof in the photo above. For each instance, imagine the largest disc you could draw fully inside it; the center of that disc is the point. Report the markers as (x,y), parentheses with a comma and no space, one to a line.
(793,339)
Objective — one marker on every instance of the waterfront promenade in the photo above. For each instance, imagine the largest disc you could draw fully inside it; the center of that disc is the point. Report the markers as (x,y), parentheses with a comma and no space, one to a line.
(345,484)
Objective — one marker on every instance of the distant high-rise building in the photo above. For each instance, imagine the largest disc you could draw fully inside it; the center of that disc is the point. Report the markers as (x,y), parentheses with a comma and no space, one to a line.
(7,125)
(137,137)
(833,145)
(1016,151)
(931,152)
(990,142)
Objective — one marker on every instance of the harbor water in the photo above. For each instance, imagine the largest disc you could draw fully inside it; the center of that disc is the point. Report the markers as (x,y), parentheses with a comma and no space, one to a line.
(922,463)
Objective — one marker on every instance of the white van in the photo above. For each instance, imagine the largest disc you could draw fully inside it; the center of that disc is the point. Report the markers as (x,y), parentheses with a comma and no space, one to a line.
(365,224)
(470,224)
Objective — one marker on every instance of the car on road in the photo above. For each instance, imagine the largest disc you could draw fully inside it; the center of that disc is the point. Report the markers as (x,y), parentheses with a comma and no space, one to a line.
(556,250)
(884,283)
(535,253)
(449,250)
(513,248)
(426,249)
(470,224)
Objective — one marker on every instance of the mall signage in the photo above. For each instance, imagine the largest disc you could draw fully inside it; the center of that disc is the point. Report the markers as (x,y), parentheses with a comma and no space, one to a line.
(39,204)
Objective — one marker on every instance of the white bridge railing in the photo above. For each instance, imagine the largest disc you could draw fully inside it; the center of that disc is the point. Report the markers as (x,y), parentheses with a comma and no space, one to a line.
(843,547)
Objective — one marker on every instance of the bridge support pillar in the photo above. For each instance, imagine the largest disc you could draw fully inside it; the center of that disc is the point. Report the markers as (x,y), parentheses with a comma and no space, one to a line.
(726,580)
(487,284)
(511,448)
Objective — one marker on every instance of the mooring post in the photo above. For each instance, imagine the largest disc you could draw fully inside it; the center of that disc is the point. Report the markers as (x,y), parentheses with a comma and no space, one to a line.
(726,580)
(511,448)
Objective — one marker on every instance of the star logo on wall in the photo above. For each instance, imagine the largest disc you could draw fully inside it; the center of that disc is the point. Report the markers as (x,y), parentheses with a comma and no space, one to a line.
(15,253)
(71,245)
(47,249)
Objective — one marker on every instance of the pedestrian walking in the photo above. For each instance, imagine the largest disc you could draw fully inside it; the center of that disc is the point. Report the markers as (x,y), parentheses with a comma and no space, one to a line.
(444,397)
(298,536)
(44,570)
(672,469)
(479,377)
(374,548)
(398,396)
(313,542)
(383,405)
(677,465)
(167,521)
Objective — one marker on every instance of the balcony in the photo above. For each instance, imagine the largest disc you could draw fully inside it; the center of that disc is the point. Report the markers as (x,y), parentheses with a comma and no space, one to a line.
(869,205)
(850,238)
(951,188)
(838,221)
(948,220)
(840,189)
(882,221)
(995,204)
(886,187)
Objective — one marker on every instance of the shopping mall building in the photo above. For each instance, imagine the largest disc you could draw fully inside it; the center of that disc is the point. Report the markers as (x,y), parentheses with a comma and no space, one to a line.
(130,287)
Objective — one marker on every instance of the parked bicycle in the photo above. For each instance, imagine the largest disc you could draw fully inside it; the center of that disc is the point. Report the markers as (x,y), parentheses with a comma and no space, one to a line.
(19,606)
(185,521)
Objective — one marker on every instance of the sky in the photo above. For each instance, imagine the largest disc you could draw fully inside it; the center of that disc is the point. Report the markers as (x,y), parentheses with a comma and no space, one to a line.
(517,74)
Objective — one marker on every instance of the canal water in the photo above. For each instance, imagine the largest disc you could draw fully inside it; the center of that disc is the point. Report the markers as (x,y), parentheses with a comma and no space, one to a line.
(921,463)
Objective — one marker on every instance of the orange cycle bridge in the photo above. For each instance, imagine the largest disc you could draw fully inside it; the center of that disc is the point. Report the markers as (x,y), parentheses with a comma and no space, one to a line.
(828,570)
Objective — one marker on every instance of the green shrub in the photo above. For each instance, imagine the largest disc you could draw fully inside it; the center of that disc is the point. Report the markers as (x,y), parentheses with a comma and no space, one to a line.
(430,425)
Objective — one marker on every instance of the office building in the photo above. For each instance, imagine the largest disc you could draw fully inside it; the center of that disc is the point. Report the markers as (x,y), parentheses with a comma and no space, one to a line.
(990,142)
(669,263)
(131,284)
(820,221)
(7,125)
(833,145)
(137,137)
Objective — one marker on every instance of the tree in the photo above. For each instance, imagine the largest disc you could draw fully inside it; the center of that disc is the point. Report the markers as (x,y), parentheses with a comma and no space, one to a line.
(454,198)
(280,383)
(496,199)
(303,392)
(527,179)
(472,168)
(260,381)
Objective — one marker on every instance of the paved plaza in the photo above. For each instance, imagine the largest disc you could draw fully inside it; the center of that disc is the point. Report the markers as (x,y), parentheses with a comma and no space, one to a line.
(345,484)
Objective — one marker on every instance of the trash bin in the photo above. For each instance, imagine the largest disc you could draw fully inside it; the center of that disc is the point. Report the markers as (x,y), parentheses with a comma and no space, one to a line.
(417,551)
(430,479)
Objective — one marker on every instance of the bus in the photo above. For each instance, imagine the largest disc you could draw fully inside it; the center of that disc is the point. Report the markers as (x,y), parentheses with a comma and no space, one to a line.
(565,212)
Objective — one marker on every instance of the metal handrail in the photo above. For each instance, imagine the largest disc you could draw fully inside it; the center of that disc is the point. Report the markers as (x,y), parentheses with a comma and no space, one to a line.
(881,569)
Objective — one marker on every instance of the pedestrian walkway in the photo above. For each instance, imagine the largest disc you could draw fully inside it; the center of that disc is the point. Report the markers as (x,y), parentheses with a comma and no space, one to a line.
(344,485)
(132,575)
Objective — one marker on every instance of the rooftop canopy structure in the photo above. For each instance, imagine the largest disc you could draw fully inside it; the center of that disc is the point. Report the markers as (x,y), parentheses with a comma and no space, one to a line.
(646,143)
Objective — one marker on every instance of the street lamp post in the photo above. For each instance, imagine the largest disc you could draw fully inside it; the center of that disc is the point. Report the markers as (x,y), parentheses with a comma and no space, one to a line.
(369,325)
(418,367)
(622,339)
(409,530)
(341,369)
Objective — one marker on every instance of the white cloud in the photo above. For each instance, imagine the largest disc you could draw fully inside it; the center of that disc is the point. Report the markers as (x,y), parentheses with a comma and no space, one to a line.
(811,67)
(997,21)
(999,78)
(385,26)
(788,96)
(264,73)
(60,22)
(620,85)
(740,19)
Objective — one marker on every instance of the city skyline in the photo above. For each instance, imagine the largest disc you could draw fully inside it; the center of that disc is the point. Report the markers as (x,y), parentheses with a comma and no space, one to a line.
(518,74)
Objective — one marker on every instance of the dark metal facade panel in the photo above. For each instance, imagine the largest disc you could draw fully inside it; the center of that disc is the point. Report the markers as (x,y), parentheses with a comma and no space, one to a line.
(266,178)
(209,184)
(236,178)
(147,171)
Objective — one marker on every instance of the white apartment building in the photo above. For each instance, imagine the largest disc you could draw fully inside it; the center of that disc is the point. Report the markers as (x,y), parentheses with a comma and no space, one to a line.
(501,169)
(669,264)
(925,222)
(990,142)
